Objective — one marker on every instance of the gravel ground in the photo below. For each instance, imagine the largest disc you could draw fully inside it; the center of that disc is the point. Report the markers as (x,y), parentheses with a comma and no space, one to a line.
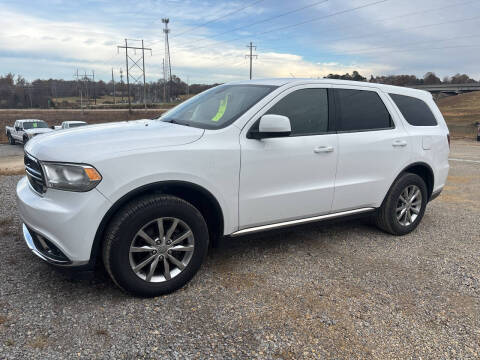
(336,290)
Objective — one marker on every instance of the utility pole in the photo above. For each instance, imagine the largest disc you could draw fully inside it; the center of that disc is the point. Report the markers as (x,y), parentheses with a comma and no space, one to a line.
(164,82)
(136,79)
(80,89)
(121,82)
(251,56)
(144,88)
(94,94)
(168,64)
(113,81)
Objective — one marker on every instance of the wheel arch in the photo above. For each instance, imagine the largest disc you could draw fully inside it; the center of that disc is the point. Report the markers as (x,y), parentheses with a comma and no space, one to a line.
(195,194)
(421,169)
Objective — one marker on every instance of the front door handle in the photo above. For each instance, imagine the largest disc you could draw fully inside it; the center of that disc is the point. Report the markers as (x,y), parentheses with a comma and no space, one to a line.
(399,143)
(323,149)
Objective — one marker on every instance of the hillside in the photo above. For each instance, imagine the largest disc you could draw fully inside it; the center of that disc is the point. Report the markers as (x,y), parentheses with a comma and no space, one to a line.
(461,112)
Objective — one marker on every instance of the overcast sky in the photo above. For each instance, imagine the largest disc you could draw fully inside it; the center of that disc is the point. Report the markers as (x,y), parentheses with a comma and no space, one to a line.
(307,38)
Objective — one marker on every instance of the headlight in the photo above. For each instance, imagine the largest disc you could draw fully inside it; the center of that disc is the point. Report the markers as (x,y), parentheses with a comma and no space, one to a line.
(71,177)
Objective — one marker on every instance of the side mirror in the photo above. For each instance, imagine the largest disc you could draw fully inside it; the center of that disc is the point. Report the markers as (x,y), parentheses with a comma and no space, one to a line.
(272,126)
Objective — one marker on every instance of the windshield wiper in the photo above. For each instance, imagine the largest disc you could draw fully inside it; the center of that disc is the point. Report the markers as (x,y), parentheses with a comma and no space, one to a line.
(173,121)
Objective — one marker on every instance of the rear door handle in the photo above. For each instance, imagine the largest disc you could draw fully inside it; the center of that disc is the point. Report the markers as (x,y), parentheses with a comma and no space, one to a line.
(323,149)
(399,143)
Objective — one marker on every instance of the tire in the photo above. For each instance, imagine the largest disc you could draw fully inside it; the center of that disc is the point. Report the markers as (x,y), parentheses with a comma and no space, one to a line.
(11,140)
(389,216)
(25,139)
(124,250)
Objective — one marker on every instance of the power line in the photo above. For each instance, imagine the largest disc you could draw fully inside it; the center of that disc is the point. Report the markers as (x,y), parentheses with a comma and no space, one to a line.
(403,15)
(409,28)
(267,19)
(219,17)
(373,49)
(295,24)
(390,50)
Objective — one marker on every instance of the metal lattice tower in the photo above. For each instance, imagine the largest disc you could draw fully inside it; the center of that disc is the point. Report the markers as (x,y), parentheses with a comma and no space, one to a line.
(167,64)
(136,65)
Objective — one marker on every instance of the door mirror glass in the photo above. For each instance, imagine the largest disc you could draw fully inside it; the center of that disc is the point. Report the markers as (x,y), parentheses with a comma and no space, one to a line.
(272,126)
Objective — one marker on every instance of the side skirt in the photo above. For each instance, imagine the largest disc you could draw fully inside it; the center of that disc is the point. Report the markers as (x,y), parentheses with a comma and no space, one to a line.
(300,221)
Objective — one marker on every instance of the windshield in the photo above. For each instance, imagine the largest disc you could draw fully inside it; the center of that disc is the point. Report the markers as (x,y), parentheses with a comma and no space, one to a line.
(217,107)
(76,125)
(35,125)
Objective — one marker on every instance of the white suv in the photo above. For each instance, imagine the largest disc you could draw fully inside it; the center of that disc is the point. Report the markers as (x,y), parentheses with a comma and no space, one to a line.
(148,196)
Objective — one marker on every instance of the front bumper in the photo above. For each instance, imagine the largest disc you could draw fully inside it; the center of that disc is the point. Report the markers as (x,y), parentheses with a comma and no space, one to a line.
(66,221)
(43,250)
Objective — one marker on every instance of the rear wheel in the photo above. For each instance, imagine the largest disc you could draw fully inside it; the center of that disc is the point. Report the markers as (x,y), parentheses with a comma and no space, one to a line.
(403,208)
(25,139)
(155,245)
(11,140)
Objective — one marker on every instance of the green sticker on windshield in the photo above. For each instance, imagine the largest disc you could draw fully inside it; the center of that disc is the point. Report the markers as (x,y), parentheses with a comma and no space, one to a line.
(221,109)
(34,125)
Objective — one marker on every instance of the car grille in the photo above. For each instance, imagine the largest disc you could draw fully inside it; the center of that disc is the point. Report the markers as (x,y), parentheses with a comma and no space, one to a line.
(34,173)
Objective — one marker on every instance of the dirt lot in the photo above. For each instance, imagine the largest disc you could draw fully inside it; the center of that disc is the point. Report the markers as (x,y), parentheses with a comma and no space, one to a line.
(55,117)
(461,112)
(328,290)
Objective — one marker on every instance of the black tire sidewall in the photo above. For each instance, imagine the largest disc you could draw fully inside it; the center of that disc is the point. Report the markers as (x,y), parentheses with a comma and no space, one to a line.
(125,231)
(405,180)
(10,139)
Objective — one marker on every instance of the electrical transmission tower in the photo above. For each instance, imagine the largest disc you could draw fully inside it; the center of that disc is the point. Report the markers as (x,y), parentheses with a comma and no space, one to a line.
(167,63)
(82,85)
(132,75)
(251,56)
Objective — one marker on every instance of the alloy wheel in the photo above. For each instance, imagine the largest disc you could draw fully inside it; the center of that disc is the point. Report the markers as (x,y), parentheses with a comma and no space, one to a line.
(409,205)
(161,249)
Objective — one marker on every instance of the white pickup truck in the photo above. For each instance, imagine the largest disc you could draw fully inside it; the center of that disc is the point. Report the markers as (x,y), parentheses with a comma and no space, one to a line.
(24,130)
(70,124)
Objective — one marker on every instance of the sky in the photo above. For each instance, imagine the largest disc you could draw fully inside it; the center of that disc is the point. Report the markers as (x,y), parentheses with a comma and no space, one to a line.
(208,39)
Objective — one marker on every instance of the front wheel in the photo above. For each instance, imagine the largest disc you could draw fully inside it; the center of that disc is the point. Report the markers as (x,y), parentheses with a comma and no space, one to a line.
(11,140)
(404,206)
(155,245)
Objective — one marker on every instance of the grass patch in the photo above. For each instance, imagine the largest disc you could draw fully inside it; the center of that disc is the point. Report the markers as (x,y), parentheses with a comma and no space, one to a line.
(40,342)
(10,172)
(6,226)
(101,332)
(461,112)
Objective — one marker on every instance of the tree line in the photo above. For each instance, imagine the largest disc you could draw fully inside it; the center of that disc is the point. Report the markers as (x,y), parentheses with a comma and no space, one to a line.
(16,92)
(406,80)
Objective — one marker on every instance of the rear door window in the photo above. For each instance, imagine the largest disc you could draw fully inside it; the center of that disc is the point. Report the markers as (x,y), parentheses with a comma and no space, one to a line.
(360,110)
(415,111)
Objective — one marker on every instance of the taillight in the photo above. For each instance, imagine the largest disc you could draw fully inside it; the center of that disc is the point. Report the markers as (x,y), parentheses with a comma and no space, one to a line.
(448,138)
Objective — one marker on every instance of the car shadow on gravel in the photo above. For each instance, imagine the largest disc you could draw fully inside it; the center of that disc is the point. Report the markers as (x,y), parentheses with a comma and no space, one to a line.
(70,286)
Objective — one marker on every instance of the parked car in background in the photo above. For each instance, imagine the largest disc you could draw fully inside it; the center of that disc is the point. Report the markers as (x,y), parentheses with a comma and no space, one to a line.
(148,196)
(25,129)
(70,124)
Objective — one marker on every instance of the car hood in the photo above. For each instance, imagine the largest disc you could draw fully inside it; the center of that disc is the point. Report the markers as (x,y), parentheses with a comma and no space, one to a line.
(87,143)
(38,130)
